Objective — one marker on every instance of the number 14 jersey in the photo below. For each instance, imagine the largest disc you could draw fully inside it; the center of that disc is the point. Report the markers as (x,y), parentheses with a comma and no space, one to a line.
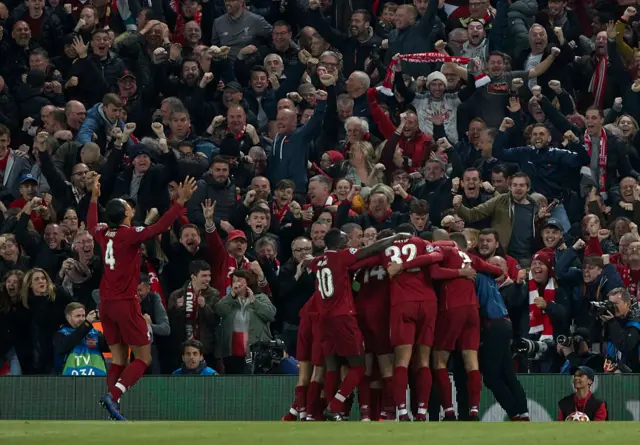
(333,281)
(411,284)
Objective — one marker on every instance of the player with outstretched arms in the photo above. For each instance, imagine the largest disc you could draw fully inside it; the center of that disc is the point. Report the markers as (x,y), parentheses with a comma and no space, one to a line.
(341,336)
(120,313)
(412,318)
(458,323)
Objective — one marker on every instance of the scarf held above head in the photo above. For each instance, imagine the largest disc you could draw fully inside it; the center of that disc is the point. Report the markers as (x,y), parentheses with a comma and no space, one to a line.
(481,79)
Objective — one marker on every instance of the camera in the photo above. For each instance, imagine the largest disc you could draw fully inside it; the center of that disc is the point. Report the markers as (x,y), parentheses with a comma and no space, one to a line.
(534,350)
(599,308)
(266,356)
(569,342)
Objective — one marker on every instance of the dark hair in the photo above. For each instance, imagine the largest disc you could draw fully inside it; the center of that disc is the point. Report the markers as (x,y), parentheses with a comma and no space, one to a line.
(116,212)
(282,23)
(419,207)
(593,260)
(189,59)
(471,170)
(284,184)
(100,31)
(501,168)
(4,130)
(496,53)
(40,52)
(197,266)
(144,278)
(365,13)
(522,175)
(193,344)
(385,233)
(406,228)
(219,160)
(595,108)
(258,209)
(258,69)
(333,238)
(459,239)
(248,276)
(188,226)
(59,116)
(490,231)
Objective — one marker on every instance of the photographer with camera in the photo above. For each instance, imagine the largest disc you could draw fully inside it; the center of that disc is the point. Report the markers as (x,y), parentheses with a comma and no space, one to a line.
(576,349)
(622,327)
(548,305)
(586,285)
(582,406)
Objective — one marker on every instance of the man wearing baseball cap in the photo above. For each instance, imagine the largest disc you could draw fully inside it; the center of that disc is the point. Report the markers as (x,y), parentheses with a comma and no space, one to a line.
(583,402)
(28,190)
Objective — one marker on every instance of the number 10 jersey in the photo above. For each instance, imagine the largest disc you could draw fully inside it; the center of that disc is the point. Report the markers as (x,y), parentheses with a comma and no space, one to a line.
(333,281)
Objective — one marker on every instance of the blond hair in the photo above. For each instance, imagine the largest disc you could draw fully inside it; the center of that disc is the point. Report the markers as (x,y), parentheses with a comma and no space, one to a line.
(28,280)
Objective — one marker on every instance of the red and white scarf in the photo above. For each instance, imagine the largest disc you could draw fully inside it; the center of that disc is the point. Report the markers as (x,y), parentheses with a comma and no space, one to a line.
(277,212)
(602,158)
(598,84)
(629,282)
(539,322)
(155,282)
(178,30)
(240,333)
(191,309)
(387,84)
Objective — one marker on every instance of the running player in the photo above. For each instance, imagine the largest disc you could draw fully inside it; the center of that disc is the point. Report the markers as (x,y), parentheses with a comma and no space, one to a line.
(120,313)
(412,318)
(341,336)
(458,324)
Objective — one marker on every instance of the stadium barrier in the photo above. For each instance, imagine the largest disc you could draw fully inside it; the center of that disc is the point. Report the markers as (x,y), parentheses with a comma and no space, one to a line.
(256,397)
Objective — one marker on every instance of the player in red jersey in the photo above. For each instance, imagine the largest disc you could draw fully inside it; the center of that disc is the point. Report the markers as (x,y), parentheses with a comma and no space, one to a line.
(412,318)
(458,324)
(120,313)
(372,287)
(341,336)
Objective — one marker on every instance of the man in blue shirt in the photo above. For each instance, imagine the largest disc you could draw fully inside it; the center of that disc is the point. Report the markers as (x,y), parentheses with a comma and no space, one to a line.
(193,362)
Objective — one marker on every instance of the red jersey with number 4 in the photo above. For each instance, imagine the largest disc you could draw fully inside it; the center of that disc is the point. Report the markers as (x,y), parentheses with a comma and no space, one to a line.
(411,284)
(456,291)
(120,248)
(333,281)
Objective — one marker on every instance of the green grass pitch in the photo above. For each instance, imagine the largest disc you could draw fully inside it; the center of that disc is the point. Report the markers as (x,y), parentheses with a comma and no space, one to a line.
(348,433)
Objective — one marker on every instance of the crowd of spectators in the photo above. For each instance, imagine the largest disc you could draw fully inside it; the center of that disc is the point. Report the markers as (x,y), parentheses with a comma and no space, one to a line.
(513,121)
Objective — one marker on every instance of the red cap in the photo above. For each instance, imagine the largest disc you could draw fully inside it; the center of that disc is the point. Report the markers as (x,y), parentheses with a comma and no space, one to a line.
(234,234)
(546,256)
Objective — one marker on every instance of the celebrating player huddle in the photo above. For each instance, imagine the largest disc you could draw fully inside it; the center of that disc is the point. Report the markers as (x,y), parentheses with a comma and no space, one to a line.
(411,296)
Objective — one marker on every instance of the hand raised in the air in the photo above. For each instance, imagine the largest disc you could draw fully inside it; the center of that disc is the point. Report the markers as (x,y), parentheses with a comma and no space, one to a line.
(186,189)
(208,211)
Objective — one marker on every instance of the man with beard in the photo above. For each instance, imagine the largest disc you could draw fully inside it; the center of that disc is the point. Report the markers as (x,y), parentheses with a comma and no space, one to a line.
(15,52)
(436,106)
(491,100)
(513,215)
(546,165)
(45,26)
(190,310)
(489,246)
(216,186)
(360,44)
(564,18)
(501,177)
(87,23)
(588,283)
(238,27)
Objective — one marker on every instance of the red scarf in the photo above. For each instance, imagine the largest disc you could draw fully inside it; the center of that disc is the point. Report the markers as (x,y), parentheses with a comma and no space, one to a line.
(279,213)
(239,135)
(191,309)
(598,84)
(387,84)
(155,282)
(539,322)
(602,158)
(630,279)
(178,30)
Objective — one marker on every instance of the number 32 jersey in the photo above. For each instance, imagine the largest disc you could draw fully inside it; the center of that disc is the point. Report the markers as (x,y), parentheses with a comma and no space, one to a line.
(333,281)
(411,284)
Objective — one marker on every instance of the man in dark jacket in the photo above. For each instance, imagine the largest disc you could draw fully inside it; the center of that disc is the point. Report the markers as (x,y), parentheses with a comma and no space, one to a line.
(15,50)
(217,186)
(592,282)
(32,96)
(45,26)
(360,44)
(379,214)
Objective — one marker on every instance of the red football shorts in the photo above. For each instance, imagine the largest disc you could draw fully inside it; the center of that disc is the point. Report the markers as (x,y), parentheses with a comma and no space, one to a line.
(413,323)
(374,325)
(458,328)
(341,336)
(309,345)
(123,323)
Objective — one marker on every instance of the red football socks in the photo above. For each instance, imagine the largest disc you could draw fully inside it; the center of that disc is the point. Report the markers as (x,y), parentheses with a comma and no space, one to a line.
(113,374)
(129,377)
(301,399)
(331,380)
(423,390)
(313,399)
(350,382)
(474,388)
(441,377)
(364,398)
(400,382)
